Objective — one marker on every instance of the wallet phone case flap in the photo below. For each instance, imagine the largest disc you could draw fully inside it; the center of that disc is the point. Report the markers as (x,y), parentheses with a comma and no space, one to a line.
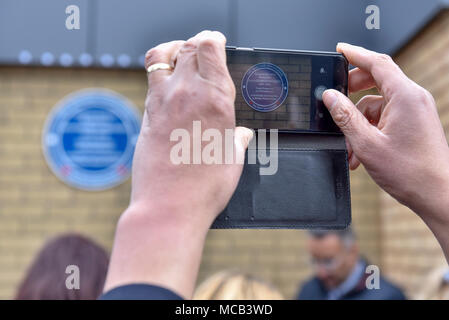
(310,188)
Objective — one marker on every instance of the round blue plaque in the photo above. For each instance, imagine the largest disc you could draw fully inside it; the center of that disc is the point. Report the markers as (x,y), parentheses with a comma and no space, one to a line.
(89,139)
(264,87)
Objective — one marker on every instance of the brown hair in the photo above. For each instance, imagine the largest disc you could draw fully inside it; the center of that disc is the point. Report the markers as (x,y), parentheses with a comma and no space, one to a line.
(46,277)
(236,285)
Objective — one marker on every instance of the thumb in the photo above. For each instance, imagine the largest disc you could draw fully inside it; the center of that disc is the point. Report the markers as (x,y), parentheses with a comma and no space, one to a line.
(242,137)
(348,118)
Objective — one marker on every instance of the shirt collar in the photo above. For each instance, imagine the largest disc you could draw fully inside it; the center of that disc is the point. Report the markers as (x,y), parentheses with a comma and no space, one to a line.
(350,282)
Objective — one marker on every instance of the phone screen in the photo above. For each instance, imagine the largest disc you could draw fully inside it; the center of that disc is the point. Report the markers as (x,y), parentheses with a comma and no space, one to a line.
(283,89)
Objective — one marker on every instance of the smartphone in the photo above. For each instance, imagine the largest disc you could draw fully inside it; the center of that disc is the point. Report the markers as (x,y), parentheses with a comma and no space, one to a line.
(282,89)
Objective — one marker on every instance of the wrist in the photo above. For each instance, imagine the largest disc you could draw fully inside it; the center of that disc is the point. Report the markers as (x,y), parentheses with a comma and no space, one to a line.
(432,203)
(154,246)
(437,217)
(170,214)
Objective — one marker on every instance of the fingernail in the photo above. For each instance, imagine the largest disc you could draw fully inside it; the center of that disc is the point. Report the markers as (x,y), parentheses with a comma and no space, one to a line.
(341,45)
(249,135)
(330,98)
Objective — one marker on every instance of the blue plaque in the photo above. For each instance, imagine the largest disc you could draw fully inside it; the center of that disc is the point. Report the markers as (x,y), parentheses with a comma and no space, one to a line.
(89,139)
(264,87)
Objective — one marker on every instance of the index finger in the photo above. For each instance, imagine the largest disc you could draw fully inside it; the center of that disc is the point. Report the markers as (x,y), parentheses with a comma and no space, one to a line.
(360,80)
(386,74)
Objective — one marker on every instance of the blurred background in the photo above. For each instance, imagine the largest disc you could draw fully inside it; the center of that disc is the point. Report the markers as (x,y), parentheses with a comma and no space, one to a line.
(41,62)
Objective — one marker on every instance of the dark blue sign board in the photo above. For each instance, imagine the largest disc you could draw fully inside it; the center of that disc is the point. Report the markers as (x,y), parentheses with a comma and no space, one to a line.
(89,139)
(264,87)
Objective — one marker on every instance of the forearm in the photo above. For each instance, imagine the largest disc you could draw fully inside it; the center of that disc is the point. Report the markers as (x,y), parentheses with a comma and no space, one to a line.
(152,245)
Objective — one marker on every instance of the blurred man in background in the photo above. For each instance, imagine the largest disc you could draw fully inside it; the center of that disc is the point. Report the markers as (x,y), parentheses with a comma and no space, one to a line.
(340,272)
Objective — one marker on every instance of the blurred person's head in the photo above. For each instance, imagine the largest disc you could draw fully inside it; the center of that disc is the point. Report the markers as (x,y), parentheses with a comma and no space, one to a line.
(46,277)
(235,285)
(334,254)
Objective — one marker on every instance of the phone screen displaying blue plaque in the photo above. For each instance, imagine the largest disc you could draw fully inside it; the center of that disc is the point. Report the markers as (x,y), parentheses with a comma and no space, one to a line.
(264,87)
(89,139)
(282,89)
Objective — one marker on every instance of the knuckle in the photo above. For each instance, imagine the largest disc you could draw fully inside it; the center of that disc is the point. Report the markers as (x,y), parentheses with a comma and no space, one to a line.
(179,97)
(343,117)
(181,92)
(161,53)
(203,33)
(209,44)
(220,35)
(152,56)
(420,96)
(427,97)
(380,62)
(188,48)
(382,57)
(219,101)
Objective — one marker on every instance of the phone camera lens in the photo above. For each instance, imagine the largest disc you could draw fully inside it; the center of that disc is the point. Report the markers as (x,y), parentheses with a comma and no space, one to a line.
(319,92)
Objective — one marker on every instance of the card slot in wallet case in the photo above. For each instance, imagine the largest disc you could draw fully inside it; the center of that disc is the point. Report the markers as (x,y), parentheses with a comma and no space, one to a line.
(310,189)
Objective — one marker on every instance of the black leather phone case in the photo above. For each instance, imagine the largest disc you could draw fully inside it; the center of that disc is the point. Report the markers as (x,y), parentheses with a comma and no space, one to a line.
(310,189)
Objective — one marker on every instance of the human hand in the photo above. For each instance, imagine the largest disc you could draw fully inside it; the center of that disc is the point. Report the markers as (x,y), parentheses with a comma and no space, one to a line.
(160,237)
(199,89)
(397,135)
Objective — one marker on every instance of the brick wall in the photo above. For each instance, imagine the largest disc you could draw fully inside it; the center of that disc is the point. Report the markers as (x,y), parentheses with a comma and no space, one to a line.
(35,205)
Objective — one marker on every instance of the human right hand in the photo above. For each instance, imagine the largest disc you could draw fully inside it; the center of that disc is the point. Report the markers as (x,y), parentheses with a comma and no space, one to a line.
(396,135)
